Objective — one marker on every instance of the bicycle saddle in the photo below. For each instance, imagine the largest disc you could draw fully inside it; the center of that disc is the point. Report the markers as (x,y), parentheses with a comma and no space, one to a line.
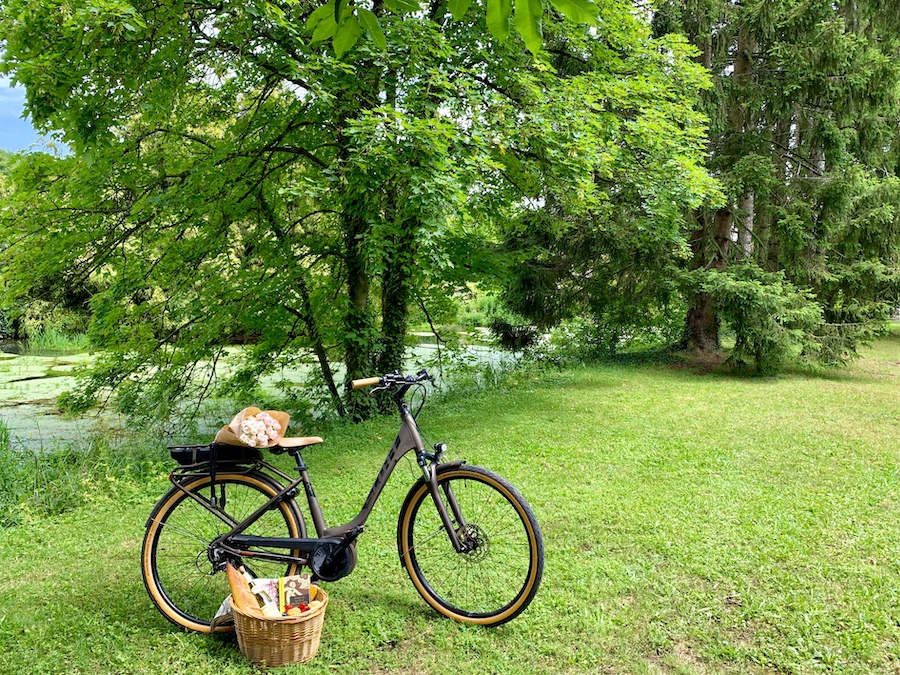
(299,441)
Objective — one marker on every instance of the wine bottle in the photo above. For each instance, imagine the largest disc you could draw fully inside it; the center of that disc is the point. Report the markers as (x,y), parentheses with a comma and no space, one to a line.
(269,606)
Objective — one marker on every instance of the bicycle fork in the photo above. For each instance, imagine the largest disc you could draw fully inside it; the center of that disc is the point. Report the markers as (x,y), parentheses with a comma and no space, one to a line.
(453,532)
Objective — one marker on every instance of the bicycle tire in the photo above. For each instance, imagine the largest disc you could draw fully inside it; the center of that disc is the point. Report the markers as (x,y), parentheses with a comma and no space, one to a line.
(176,567)
(498,579)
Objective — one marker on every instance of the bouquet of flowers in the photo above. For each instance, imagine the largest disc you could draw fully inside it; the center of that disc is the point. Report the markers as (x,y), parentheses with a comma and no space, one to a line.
(254,428)
(258,430)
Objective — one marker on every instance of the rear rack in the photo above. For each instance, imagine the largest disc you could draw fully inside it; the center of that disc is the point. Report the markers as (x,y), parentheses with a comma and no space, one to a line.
(187,455)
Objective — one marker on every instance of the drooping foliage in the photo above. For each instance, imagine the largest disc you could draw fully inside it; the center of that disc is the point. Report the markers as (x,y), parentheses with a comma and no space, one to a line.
(607,259)
(342,22)
(9,328)
(803,139)
(805,113)
(232,181)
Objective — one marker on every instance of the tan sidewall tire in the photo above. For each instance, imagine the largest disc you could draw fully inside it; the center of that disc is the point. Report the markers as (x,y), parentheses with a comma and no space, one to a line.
(162,511)
(420,493)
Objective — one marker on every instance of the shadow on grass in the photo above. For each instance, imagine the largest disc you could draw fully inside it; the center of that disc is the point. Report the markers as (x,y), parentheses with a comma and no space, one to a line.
(717,364)
(379,602)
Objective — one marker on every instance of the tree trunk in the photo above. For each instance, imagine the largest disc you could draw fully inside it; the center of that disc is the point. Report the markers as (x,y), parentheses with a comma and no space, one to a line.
(741,122)
(359,328)
(359,322)
(762,231)
(710,252)
(710,244)
(395,295)
(17,328)
(396,291)
(745,231)
(702,325)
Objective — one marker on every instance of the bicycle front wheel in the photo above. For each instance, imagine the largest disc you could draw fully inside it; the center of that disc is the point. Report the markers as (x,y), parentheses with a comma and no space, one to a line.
(498,574)
(177,563)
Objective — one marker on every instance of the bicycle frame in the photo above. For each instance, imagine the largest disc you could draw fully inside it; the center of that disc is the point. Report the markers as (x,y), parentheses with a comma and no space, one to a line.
(408,439)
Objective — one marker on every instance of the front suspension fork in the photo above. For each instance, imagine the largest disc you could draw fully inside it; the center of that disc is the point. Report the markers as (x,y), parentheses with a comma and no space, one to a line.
(452,531)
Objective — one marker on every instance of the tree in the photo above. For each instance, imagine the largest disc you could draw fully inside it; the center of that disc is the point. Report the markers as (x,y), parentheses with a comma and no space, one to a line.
(240,211)
(800,253)
(804,140)
(609,258)
(9,327)
(231,180)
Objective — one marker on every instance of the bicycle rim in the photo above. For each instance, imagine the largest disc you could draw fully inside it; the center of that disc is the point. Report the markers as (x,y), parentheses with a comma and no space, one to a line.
(177,569)
(494,582)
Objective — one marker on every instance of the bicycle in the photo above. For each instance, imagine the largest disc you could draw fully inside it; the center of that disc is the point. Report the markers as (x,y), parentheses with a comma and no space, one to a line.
(468,540)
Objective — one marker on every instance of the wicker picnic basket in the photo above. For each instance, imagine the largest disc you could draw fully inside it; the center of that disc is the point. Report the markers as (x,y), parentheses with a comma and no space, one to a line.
(280,642)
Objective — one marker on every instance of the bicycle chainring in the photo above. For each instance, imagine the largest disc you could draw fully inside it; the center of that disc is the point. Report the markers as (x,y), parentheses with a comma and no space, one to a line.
(330,563)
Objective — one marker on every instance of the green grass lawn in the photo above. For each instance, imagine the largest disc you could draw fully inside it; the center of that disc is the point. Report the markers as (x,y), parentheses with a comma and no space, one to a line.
(693,524)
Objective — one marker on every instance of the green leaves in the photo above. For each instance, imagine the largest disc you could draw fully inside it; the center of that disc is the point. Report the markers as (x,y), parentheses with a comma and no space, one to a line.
(402,6)
(291,161)
(774,320)
(458,8)
(346,36)
(343,23)
(321,22)
(370,23)
(528,23)
(829,69)
(579,11)
(498,13)
(345,32)
(528,17)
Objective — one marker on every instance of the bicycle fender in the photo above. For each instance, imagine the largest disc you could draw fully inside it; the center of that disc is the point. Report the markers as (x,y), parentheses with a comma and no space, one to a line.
(440,469)
(448,465)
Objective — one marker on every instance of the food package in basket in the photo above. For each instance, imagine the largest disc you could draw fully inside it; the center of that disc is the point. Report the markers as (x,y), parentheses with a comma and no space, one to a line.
(271,598)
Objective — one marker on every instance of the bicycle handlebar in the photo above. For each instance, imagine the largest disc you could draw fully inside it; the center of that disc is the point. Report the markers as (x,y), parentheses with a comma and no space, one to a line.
(390,380)
(367,382)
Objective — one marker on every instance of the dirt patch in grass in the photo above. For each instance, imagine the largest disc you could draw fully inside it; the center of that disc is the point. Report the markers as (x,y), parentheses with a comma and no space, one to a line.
(701,363)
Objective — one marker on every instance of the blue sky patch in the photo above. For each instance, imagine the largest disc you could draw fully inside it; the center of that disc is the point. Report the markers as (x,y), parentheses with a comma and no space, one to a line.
(15,133)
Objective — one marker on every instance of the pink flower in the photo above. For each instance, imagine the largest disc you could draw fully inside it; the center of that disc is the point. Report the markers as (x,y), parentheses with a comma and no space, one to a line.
(259,430)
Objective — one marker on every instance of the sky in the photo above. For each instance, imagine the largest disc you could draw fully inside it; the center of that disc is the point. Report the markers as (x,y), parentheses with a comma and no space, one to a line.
(15,133)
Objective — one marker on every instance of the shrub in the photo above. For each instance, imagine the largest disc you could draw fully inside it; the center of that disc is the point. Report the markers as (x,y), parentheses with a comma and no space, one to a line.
(57,329)
(773,320)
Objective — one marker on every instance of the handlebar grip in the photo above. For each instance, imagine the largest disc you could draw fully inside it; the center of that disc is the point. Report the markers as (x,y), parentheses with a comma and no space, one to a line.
(365,382)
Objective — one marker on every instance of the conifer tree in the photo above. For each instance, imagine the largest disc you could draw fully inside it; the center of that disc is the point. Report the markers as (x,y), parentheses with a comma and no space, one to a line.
(804,253)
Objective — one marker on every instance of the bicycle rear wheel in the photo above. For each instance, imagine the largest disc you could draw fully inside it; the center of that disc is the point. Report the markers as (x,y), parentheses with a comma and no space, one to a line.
(176,560)
(498,576)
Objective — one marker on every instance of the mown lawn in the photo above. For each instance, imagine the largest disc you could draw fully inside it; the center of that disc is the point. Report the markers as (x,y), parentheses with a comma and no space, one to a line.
(693,524)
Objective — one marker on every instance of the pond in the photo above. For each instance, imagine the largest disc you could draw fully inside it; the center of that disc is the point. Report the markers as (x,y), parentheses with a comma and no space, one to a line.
(31,382)
(29,385)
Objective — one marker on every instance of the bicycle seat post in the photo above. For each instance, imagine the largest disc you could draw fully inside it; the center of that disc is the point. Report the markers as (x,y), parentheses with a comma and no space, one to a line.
(314,509)
(295,454)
